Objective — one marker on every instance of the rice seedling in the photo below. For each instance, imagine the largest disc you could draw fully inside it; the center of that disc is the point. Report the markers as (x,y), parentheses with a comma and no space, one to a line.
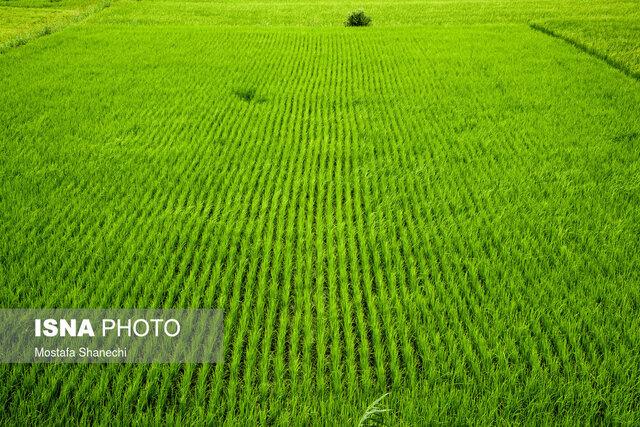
(374,415)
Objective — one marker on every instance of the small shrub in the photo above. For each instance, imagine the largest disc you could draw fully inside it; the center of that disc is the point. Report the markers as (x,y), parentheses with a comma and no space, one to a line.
(357,19)
(249,95)
(245,94)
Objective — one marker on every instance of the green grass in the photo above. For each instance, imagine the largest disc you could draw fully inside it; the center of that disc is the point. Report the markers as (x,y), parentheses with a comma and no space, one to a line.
(615,40)
(24,20)
(444,207)
(331,13)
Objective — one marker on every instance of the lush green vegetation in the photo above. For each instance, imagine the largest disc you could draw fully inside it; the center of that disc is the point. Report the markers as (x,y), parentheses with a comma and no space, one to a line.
(25,20)
(444,207)
(358,19)
(615,40)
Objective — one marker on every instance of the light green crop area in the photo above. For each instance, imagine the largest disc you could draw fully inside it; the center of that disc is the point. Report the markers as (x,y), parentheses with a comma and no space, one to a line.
(444,207)
(25,20)
(614,40)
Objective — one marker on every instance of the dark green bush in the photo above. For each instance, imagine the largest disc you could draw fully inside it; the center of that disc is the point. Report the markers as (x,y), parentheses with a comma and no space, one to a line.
(246,94)
(357,19)
(249,94)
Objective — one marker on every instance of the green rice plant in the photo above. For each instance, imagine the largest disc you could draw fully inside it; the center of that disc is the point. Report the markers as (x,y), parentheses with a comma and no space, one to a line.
(374,414)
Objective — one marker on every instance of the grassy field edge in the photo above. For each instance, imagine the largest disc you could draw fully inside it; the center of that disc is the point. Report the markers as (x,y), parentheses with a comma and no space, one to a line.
(53,26)
(541,27)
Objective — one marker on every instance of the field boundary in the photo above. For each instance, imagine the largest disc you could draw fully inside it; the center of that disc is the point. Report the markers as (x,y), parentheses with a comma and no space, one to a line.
(537,26)
(53,27)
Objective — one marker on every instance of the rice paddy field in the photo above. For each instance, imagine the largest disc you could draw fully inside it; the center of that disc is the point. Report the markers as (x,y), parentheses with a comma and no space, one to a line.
(442,208)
